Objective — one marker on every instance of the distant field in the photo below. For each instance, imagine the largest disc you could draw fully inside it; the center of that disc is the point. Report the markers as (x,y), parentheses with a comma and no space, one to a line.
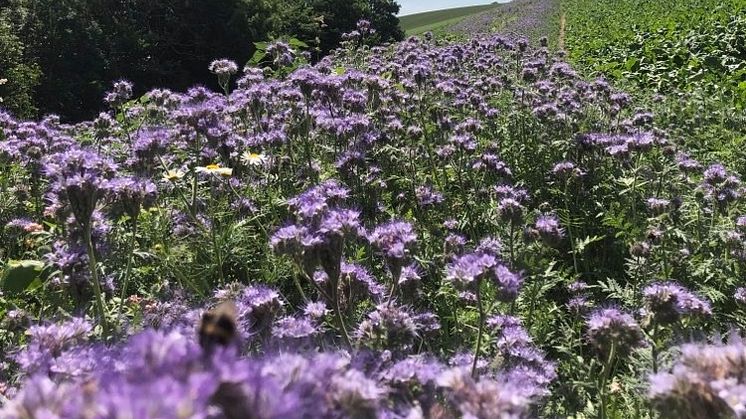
(427,21)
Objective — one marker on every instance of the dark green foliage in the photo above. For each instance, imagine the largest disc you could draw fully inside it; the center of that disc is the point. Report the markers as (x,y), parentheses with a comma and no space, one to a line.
(81,46)
(18,76)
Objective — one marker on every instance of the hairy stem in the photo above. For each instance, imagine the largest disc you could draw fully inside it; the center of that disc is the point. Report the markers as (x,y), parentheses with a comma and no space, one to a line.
(478,345)
(128,268)
(92,266)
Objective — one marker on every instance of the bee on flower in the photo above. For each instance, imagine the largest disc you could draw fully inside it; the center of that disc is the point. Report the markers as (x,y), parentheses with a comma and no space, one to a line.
(253,159)
(215,169)
(173,175)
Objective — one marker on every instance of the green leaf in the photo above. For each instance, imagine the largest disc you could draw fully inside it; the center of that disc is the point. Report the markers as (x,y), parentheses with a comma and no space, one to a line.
(297,43)
(19,275)
(257,57)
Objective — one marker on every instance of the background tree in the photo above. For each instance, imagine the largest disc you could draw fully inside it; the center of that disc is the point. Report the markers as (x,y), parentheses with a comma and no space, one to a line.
(60,56)
(18,76)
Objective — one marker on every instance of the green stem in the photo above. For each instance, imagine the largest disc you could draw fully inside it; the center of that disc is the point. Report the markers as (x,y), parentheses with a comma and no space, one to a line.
(604,378)
(218,253)
(654,347)
(569,229)
(128,268)
(94,277)
(340,319)
(478,345)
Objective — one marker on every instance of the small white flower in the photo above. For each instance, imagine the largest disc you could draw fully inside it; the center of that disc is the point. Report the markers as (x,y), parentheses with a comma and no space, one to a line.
(253,159)
(173,175)
(214,169)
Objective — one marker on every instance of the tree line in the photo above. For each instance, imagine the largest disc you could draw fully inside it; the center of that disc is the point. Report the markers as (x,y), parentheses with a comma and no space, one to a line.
(60,56)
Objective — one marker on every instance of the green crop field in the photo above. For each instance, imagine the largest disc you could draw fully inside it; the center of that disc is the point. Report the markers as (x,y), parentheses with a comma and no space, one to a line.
(427,21)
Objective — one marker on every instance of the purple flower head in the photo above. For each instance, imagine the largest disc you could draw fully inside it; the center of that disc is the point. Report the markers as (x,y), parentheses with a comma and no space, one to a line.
(427,196)
(315,310)
(658,205)
(741,223)
(492,164)
(490,246)
(610,328)
(454,243)
(706,381)
(549,229)
(508,283)
(467,270)
(395,239)
(120,93)
(357,278)
(314,201)
(740,295)
(486,398)
(579,304)
(388,326)
(81,179)
(687,164)
(640,142)
(130,195)
(340,223)
(565,170)
(720,187)
(578,287)
(289,240)
(417,369)
(257,307)
(510,210)
(715,174)
(294,328)
(223,68)
(668,301)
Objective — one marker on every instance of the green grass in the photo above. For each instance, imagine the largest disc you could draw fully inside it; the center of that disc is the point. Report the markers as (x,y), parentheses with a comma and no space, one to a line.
(428,21)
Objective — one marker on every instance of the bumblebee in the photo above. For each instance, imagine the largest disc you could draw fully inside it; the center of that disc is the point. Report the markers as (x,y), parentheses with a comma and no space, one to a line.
(218,327)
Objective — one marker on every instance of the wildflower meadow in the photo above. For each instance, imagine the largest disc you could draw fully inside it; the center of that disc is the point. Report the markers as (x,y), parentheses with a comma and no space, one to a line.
(467,224)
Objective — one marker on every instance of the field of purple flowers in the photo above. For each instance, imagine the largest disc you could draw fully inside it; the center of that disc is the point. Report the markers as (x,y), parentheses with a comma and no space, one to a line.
(422,230)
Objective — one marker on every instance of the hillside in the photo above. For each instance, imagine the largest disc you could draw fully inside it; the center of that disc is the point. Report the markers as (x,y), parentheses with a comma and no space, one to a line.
(428,21)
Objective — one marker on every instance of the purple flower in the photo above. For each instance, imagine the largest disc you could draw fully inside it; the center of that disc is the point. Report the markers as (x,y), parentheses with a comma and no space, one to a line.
(510,210)
(508,283)
(120,93)
(223,68)
(579,304)
(81,179)
(130,195)
(565,170)
(315,310)
(740,295)
(611,328)
(467,270)
(426,196)
(289,239)
(668,301)
(549,229)
(395,240)
(341,223)
(706,381)
(490,246)
(715,174)
(658,205)
(356,395)
(293,328)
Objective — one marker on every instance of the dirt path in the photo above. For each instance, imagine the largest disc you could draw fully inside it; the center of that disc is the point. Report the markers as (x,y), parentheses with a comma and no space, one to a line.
(561,40)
